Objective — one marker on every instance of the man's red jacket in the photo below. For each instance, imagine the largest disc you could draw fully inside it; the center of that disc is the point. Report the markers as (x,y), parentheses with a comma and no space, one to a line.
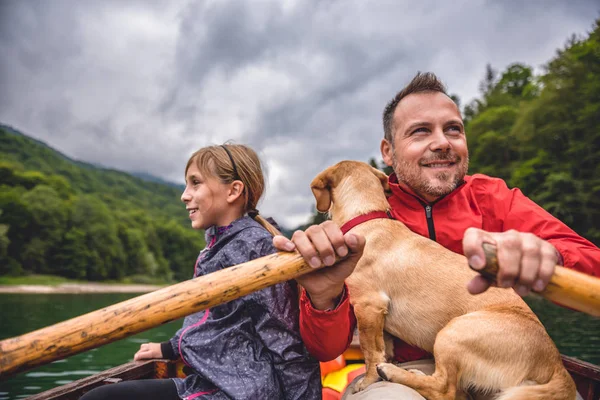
(481,202)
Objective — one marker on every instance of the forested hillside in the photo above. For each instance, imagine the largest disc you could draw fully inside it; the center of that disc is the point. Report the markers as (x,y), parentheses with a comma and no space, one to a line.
(541,133)
(64,217)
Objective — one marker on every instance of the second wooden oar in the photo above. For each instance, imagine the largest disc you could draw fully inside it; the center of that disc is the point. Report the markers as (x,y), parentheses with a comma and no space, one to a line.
(567,287)
(141,313)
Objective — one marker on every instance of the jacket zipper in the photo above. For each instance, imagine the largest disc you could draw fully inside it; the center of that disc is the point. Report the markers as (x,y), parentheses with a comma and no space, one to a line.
(193,396)
(429,210)
(430,227)
(428,214)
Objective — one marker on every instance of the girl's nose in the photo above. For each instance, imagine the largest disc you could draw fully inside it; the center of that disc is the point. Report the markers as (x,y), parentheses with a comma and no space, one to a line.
(185,196)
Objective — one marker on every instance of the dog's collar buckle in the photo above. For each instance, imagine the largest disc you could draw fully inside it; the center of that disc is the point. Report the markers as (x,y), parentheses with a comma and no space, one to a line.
(364,218)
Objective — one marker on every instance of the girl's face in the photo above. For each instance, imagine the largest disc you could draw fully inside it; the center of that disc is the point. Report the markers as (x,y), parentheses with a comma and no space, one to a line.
(205,198)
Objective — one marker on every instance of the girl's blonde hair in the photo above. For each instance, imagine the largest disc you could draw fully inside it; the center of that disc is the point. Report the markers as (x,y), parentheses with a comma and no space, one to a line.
(231,162)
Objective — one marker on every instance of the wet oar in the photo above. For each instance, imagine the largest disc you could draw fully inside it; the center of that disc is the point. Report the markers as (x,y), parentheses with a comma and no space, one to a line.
(567,287)
(141,313)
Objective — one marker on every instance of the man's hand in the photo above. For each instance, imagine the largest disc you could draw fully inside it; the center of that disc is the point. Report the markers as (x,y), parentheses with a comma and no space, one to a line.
(319,245)
(148,351)
(525,262)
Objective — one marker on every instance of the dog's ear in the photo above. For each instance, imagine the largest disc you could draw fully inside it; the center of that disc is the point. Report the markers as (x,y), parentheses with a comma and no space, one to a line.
(322,191)
(383,178)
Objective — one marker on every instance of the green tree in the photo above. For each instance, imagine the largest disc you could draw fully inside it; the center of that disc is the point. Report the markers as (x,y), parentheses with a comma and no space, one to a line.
(543,133)
(106,257)
(181,247)
(136,253)
(15,215)
(8,265)
(48,219)
(73,257)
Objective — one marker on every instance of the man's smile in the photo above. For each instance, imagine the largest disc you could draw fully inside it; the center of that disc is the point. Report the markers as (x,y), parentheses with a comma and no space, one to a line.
(439,164)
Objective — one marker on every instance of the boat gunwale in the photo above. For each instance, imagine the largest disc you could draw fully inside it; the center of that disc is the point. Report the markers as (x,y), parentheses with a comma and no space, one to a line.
(134,370)
(585,374)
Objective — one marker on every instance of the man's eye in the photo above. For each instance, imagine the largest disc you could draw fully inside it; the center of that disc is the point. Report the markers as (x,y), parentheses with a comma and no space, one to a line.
(420,130)
(455,128)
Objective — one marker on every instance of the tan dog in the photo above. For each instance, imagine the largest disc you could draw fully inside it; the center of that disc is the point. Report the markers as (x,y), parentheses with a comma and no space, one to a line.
(415,289)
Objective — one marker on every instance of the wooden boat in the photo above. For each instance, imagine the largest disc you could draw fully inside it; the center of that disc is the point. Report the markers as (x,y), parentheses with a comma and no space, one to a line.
(585,375)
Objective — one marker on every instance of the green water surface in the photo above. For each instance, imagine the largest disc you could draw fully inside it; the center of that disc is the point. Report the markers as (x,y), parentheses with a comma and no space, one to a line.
(575,334)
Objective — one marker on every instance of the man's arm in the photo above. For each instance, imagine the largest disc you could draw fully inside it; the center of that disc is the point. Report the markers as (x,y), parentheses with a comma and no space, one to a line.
(326,333)
(575,251)
(326,317)
(532,243)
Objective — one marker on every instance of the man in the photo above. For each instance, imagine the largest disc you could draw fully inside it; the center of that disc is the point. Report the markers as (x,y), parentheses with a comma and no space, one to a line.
(425,143)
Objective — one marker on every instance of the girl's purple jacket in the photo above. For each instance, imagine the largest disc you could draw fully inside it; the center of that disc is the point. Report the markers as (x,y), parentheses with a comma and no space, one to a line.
(249,348)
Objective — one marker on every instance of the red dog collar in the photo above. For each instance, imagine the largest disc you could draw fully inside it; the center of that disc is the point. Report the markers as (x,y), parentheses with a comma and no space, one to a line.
(365,217)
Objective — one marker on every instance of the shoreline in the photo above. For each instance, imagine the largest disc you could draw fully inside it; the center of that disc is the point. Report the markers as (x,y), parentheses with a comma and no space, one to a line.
(65,288)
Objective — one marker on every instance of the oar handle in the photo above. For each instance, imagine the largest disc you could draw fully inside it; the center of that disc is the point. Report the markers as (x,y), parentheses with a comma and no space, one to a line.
(567,287)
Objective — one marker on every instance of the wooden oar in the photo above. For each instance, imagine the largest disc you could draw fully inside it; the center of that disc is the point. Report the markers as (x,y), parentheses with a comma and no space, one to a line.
(141,313)
(567,287)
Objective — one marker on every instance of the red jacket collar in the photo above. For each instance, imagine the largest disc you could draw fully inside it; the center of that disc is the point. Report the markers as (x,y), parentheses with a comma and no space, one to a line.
(413,200)
(364,218)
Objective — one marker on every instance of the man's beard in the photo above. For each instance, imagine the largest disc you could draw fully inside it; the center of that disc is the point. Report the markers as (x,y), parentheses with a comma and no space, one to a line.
(446,182)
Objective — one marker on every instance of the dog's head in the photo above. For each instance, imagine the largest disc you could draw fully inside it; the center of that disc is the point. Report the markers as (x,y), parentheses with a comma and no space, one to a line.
(351,186)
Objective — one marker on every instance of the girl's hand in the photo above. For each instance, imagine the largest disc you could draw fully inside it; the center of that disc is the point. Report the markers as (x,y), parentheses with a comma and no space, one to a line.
(148,351)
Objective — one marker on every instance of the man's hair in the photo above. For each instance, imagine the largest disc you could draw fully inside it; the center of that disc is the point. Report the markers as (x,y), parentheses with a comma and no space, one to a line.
(422,82)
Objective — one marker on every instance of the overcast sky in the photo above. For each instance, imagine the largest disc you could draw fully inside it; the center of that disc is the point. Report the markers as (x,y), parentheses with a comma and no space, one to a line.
(140,85)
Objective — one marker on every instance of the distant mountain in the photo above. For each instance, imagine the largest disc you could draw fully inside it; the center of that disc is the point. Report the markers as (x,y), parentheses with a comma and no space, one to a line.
(9,129)
(70,218)
(151,178)
(116,188)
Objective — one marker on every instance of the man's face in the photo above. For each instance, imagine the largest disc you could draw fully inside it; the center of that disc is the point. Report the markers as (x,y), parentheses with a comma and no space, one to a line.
(429,149)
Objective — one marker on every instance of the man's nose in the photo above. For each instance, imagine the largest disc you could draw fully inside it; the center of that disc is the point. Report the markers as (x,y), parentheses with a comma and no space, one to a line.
(439,141)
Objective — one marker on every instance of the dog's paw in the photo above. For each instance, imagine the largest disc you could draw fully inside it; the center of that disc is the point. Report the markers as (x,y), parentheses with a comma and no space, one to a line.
(359,386)
(363,383)
(384,370)
(417,372)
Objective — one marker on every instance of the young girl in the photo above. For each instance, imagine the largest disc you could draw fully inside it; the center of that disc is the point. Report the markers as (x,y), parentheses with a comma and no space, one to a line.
(249,348)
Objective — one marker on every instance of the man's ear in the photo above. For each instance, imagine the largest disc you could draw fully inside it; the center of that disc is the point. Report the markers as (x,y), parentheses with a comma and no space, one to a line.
(387,152)
(383,178)
(321,191)
(235,191)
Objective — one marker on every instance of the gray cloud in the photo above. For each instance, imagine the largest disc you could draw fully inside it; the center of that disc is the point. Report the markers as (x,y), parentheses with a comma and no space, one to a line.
(140,85)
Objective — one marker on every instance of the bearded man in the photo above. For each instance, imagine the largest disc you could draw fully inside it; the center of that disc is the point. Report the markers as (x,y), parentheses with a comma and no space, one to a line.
(425,143)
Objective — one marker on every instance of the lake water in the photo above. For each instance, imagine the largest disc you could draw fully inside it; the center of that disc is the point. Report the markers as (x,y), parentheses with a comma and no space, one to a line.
(575,334)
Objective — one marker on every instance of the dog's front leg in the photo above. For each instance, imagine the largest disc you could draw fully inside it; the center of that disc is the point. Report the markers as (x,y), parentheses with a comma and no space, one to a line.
(370,317)
(388,339)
